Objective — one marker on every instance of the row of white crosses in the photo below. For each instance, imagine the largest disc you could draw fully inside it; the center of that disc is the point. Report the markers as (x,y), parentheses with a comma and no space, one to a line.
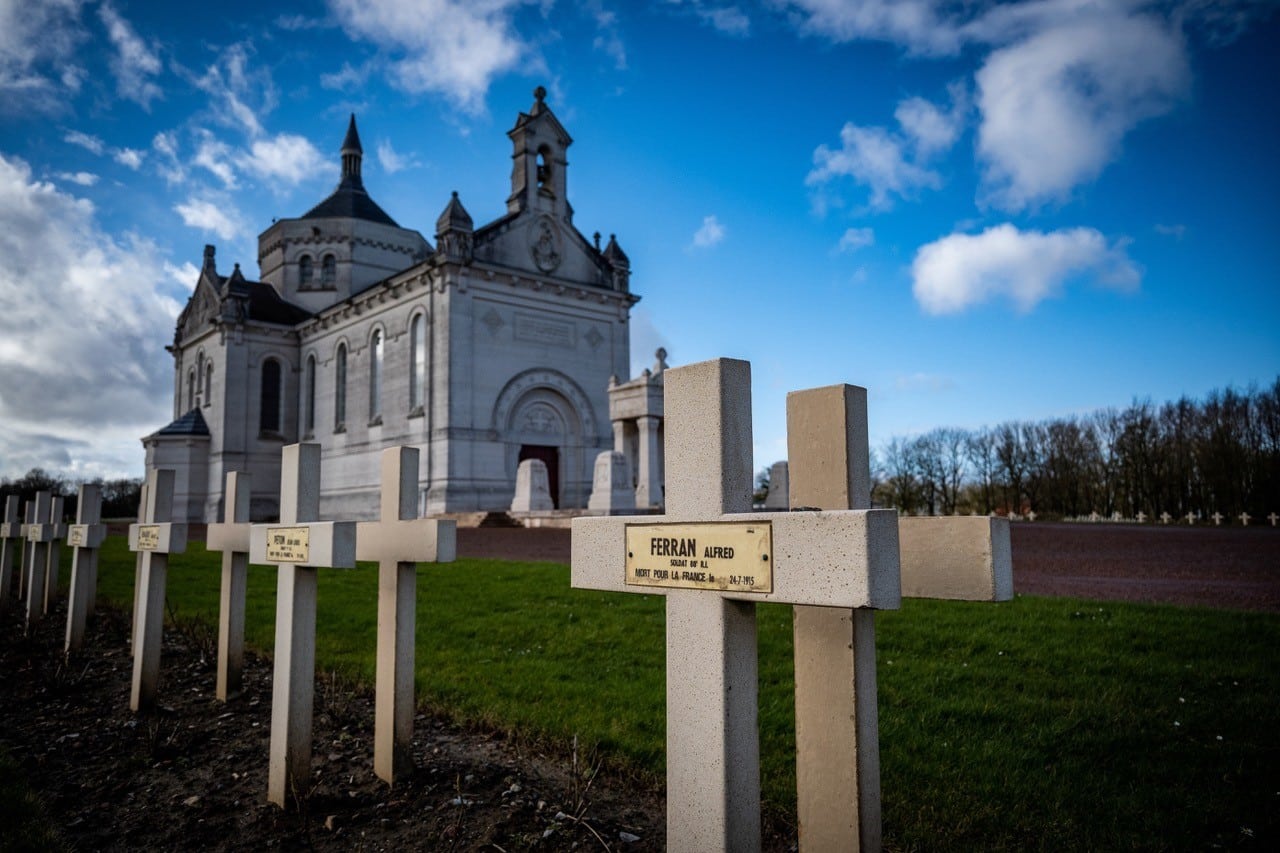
(834,559)
(298,545)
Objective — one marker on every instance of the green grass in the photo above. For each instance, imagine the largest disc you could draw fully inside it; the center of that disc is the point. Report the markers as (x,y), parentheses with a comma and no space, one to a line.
(1036,724)
(25,824)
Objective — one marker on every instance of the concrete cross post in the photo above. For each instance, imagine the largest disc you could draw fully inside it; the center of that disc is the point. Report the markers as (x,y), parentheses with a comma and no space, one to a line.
(28,518)
(398,541)
(1273,518)
(154,539)
(1217,519)
(143,493)
(1245,518)
(39,534)
(10,539)
(231,537)
(53,558)
(837,727)
(85,538)
(1165,518)
(297,546)
(1191,518)
(840,559)
(1141,517)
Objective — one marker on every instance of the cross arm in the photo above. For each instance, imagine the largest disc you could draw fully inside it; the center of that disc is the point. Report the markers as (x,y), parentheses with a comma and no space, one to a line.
(829,559)
(86,535)
(964,558)
(418,540)
(330,544)
(166,537)
(228,536)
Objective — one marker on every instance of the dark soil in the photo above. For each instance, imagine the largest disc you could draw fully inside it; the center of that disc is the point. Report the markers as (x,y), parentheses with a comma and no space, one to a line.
(191,775)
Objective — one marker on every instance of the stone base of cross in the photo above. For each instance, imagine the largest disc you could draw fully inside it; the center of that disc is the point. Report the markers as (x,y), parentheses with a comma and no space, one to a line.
(298,545)
(398,541)
(154,539)
(85,537)
(231,537)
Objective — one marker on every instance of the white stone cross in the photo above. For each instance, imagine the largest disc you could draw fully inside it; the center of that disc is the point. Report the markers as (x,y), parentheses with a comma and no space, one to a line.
(28,518)
(1245,518)
(85,538)
(1116,516)
(1217,519)
(1191,518)
(846,559)
(398,542)
(10,538)
(1273,518)
(1142,517)
(143,493)
(297,546)
(39,534)
(231,537)
(1094,517)
(154,538)
(53,557)
(1031,515)
(1165,518)
(837,729)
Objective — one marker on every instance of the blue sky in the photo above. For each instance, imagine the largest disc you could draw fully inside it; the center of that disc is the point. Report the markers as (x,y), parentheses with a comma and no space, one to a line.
(980,212)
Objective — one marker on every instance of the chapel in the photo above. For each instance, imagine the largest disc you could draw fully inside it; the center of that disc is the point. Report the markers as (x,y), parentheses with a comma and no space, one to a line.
(484,347)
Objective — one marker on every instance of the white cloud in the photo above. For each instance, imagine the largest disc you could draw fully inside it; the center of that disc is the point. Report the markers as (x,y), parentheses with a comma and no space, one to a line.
(214,155)
(729,20)
(240,93)
(204,214)
(184,276)
(84,179)
(134,62)
(83,372)
(1057,105)
(710,234)
(286,158)
(85,141)
(165,144)
(608,40)
(38,42)
(875,158)
(447,47)
(393,162)
(961,270)
(915,24)
(130,157)
(855,239)
(930,129)
(346,78)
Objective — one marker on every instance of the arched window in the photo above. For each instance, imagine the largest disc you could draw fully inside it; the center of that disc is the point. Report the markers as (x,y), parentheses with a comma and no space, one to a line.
(544,169)
(417,362)
(309,397)
(269,409)
(340,389)
(304,271)
(191,390)
(375,376)
(328,270)
(208,382)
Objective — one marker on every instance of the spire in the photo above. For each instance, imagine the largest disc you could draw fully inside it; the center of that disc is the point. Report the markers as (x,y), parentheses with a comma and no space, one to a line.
(454,217)
(352,154)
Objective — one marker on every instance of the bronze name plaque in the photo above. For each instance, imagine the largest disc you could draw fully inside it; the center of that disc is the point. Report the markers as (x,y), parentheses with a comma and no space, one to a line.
(288,544)
(148,537)
(730,556)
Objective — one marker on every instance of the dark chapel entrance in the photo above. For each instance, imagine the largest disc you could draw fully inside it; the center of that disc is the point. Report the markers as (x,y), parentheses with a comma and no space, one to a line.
(550,456)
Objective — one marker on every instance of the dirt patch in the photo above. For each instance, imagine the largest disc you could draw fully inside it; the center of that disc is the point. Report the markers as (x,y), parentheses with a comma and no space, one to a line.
(192,774)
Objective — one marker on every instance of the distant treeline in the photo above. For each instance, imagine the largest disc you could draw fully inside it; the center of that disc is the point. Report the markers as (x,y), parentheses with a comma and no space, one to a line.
(119,497)
(1219,454)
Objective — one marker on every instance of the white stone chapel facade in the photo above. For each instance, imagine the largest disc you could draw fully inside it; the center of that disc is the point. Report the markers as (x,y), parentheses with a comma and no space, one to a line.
(493,345)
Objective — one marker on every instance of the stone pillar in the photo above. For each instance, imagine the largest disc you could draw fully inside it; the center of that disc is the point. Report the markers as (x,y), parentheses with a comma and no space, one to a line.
(649,488)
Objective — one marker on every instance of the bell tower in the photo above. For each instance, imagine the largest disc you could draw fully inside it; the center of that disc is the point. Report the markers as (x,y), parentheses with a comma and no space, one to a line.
(539,169)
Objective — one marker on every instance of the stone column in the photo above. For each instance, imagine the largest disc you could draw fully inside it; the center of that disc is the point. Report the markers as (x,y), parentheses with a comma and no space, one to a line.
(649,487)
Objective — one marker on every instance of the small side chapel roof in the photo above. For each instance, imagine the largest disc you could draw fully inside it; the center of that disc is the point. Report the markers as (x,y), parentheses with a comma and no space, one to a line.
(265,303)
(350,200)
(192,423)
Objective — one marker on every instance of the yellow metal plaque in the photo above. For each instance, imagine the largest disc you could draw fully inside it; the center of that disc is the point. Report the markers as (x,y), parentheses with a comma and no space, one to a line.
(77,536)
(148,537)
(288,544)
(732,556)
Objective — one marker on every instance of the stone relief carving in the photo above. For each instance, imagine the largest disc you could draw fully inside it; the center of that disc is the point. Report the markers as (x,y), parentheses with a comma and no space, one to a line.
(545,247)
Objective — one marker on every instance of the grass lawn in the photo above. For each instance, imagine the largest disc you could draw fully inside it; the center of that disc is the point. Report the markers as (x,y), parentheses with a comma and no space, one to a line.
(1037,724)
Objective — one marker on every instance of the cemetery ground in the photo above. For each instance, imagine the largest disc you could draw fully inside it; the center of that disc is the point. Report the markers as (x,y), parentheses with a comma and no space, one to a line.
(1048,722)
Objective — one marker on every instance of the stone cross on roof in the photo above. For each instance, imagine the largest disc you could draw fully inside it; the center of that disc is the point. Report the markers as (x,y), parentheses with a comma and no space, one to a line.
(712,558)
(231,537)
(154,538)
(398,541)
(298,545)
(10,539)
(85,537)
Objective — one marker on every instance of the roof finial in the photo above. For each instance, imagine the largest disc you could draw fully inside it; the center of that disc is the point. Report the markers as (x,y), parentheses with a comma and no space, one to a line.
(540,94)
(352,154)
